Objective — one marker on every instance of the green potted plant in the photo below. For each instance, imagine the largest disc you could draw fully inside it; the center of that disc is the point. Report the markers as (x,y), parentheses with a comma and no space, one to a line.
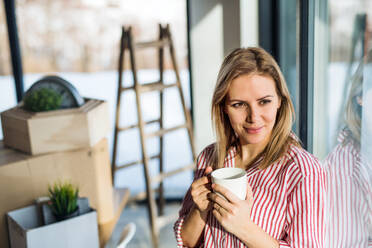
(63,200)
(43,99)
(28,224)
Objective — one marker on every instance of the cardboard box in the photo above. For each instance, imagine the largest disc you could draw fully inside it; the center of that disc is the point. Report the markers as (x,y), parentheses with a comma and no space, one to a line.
(53,131)
(26,231)
(23,178)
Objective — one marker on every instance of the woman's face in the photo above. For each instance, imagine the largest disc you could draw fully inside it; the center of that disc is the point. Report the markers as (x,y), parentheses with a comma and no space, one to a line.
(366,102)
(251,104)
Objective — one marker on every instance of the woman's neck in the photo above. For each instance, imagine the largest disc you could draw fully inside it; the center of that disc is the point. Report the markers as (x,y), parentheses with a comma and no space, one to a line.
(249,152)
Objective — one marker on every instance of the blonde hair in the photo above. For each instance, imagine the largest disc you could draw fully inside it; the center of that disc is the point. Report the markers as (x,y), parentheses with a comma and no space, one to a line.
(243,61)
(353,110)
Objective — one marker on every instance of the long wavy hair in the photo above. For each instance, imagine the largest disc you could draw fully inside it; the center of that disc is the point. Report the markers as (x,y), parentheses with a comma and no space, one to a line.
(353,108)
(245,61)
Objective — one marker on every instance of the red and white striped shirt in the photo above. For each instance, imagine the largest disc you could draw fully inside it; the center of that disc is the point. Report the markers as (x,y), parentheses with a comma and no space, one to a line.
(349,207)
(288,201)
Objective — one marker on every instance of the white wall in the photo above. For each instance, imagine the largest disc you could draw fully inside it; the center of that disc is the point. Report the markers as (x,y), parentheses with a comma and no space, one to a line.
(217,27)
(248,23)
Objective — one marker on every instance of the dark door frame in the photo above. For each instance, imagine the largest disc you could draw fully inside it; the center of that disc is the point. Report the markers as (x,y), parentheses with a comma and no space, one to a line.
(306,71)
(15,50)
(269,40)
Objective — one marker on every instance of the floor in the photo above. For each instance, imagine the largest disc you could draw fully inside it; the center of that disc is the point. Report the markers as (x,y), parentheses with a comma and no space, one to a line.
(137,213)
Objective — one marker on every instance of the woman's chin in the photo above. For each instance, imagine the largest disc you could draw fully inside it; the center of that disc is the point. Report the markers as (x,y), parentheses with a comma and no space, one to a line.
(252,140)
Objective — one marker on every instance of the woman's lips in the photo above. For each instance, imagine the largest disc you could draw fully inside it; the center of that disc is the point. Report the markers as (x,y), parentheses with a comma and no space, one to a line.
(252,130)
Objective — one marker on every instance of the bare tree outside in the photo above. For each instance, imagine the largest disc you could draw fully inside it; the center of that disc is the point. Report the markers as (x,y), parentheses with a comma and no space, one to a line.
(84,35)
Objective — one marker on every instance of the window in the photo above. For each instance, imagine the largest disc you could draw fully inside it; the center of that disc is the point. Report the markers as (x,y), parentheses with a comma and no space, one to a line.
(342,116)
(79,41)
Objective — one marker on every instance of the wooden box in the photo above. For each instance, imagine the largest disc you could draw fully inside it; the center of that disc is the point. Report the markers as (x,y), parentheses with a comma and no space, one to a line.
(54,131)
(23,178)
(25,230)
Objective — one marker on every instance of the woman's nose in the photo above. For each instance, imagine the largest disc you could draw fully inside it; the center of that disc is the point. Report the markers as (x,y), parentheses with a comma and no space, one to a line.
(252,115)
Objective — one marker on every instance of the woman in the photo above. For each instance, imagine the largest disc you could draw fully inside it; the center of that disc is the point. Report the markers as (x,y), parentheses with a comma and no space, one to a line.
(349,208)
(252,114)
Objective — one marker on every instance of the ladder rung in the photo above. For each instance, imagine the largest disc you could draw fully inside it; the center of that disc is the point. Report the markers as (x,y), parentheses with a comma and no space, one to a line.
(126,88)
(142,195)
(135,162)
(156,86)
(155,44)
(160,177)
(161,132)
(136,125)
(166,219)
(127,127)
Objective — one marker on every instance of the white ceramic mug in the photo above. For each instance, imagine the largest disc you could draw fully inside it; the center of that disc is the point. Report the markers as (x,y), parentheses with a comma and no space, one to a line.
(234,179)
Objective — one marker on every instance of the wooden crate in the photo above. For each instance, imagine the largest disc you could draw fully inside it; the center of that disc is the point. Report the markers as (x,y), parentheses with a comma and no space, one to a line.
(23,178)
(54,131)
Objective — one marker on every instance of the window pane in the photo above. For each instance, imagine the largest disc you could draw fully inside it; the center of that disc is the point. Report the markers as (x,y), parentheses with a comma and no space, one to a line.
(79,41)
(342,117)
(287,49)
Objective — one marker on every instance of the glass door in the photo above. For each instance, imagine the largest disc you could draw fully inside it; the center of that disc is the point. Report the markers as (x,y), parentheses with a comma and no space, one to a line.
(342,124)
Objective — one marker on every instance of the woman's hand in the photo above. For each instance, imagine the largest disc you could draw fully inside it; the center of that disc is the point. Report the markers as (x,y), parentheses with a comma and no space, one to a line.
(200,189)
(233,214)
(194,223)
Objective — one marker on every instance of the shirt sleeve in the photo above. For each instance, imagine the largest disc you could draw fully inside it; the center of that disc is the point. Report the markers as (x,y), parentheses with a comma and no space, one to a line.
(283,243)
(349,205)
(187,202)
(305,212)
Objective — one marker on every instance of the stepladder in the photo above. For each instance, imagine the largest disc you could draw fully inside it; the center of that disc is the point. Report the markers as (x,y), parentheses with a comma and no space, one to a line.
(154,196)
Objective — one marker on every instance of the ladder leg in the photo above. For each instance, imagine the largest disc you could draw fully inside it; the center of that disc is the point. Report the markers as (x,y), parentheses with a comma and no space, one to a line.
(185,110)
(117,116)
(150,196)
(161,160)
(154,209)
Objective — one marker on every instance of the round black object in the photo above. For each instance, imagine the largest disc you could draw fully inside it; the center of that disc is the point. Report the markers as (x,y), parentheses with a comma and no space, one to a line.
(70,96)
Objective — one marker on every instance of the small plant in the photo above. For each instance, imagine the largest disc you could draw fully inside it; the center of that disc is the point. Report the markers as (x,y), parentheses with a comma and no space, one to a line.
(63,199)
(43,99)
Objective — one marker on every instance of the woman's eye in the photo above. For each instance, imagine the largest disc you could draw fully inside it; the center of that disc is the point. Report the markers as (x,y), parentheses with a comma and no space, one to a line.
(237,105)
(264,102)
